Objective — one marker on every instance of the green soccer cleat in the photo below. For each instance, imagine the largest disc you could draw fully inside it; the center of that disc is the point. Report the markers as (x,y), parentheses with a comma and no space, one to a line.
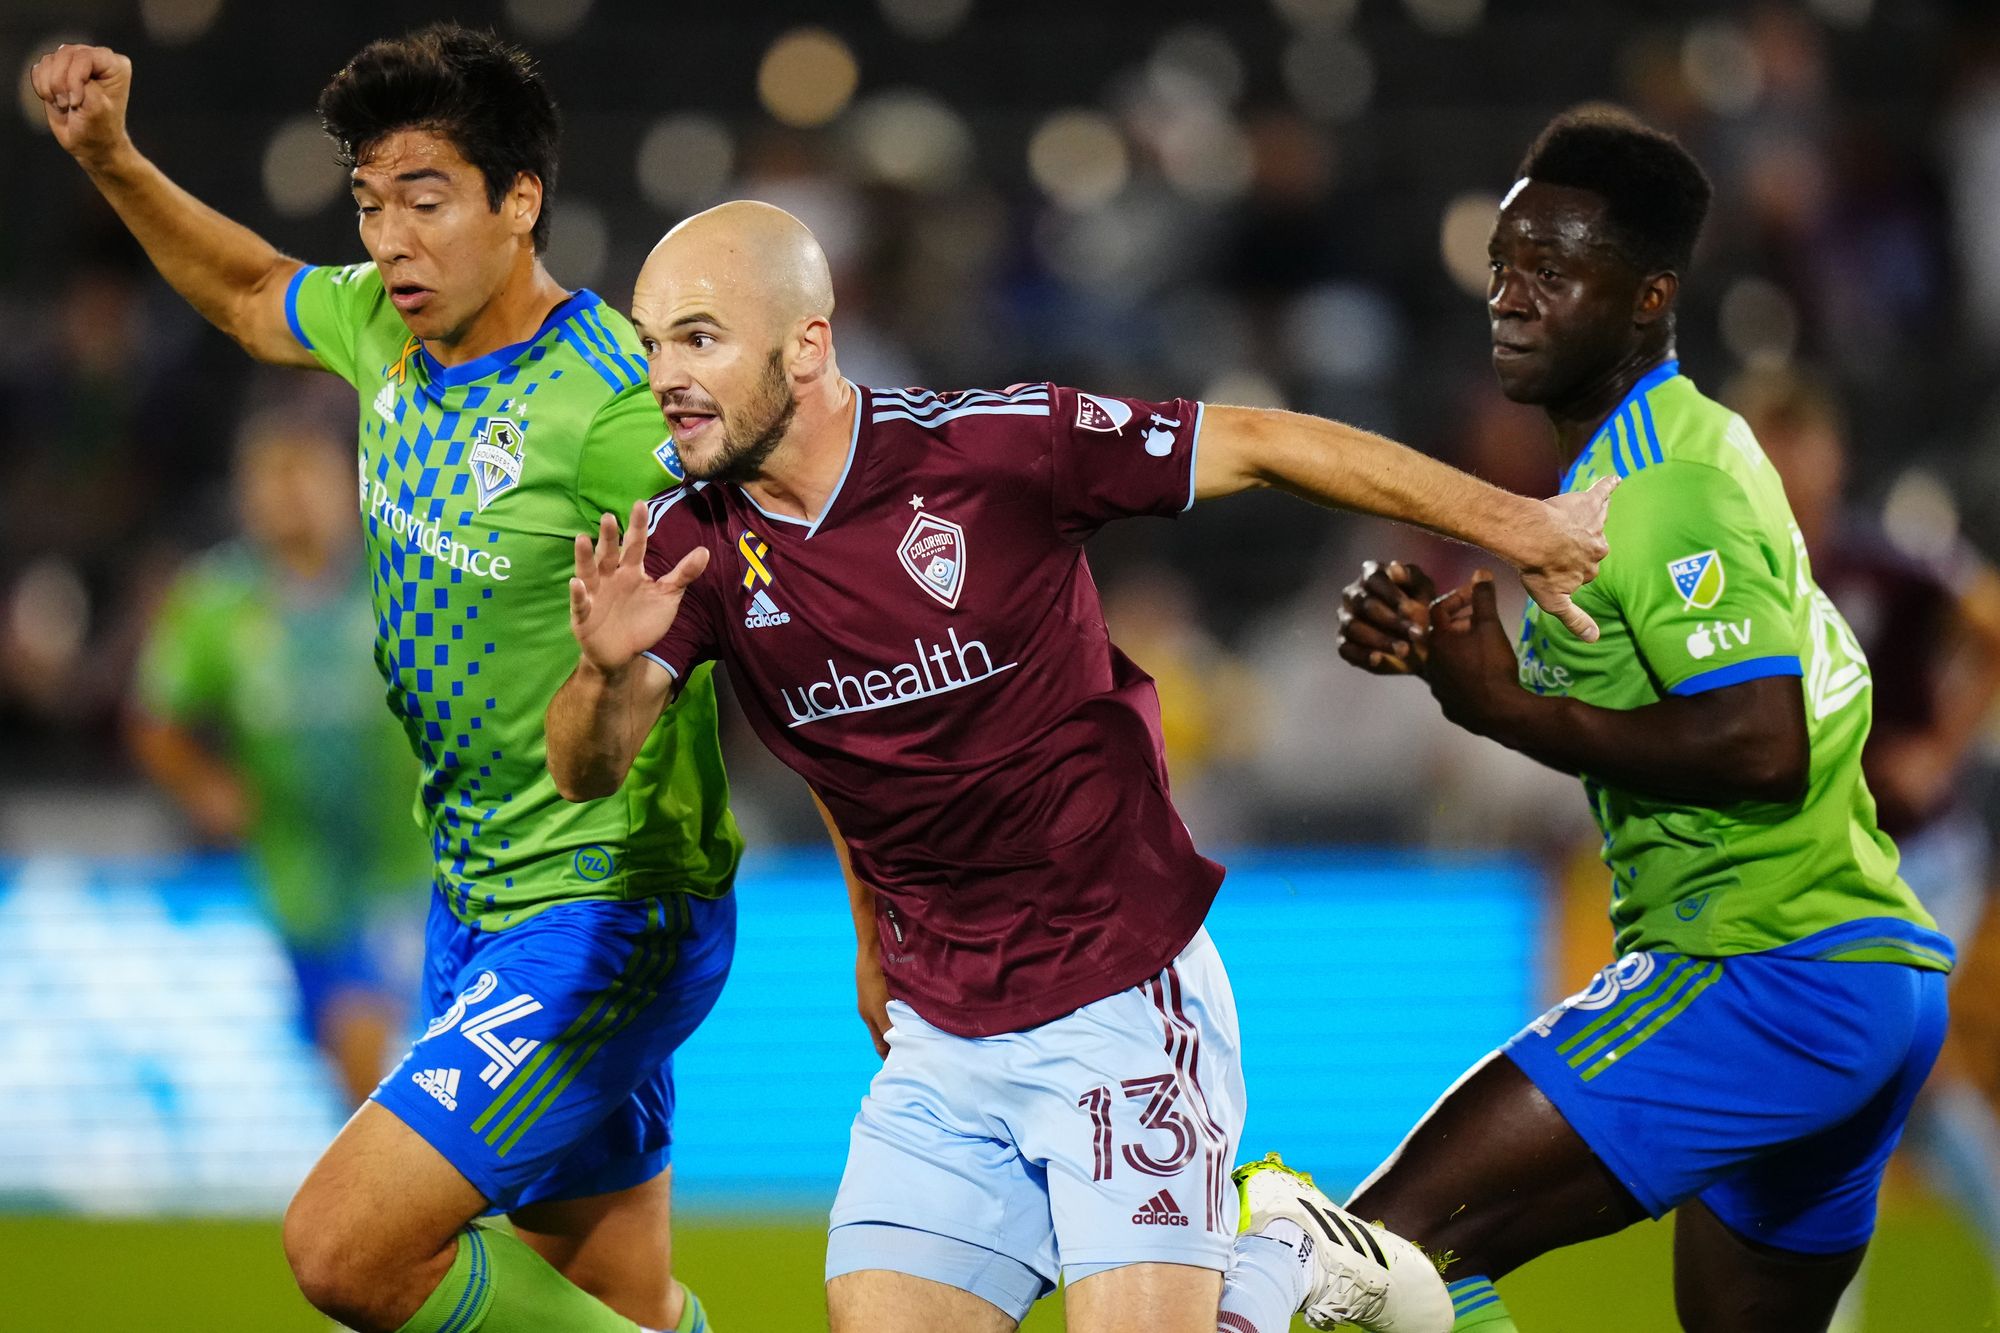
(1360,1275)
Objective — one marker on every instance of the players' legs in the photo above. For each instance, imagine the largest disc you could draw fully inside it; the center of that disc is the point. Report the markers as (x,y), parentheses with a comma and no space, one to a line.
(1141,1298)
(1726,1283)
(615,1246)
(374,1228)
(358,1030)
(1495,1176)
(1773,1245)
(876,1300)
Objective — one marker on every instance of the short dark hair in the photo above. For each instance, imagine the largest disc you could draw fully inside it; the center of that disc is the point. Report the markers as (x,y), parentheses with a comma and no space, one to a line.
(472,88)
(1655,194)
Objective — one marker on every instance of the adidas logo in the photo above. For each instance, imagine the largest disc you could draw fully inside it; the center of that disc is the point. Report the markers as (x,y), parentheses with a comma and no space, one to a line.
(1160,1211)
(764,612)
(385,403)
(439,1083)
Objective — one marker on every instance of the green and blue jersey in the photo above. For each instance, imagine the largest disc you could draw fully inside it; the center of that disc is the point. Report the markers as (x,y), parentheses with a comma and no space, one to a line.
(473,483)
(1708,585)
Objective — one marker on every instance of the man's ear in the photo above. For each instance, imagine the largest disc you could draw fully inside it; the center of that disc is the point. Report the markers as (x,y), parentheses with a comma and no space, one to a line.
(523,204)
(1656,298)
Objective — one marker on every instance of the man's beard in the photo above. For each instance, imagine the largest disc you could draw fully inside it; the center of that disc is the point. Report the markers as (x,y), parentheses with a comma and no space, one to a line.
(748,443)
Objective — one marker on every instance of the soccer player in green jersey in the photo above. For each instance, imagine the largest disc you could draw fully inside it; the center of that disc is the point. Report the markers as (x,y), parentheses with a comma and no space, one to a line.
(319,797)
(1750,1060)
(571,947)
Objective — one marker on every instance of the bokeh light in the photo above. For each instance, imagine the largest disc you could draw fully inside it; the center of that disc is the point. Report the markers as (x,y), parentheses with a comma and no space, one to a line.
(301,176)
(1079,159)
(178,22)
(1920,516)
(684,162)
(807,78)
(1759,323)
(925,20)
(1466,227)
(1318,13)
(547,19)
(1205,155)
(1329,75)
(1719,64)
(1446,18)
(1197,59)
(579,241)
(912,139)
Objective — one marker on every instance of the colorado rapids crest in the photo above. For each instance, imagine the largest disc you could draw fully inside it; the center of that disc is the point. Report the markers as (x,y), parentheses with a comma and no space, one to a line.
(933,552)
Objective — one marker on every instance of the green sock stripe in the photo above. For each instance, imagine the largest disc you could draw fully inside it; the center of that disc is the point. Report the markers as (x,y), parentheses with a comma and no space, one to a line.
(533,1076)
(643,994)
(1635,1017)
(1707,979)
(1623,1006)
(472,1302)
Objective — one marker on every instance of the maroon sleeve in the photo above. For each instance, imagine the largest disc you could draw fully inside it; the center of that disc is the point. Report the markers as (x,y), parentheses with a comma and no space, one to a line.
(692,639)
(1120,457)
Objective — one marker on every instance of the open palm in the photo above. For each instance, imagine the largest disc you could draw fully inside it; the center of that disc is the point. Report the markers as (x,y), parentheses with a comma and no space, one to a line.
(616,609)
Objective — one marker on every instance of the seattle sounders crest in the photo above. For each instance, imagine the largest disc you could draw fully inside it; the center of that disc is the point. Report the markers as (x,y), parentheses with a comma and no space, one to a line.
(496,460)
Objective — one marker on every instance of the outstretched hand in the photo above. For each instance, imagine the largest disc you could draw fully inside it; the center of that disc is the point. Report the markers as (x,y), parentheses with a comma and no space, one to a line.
(1567,552)
(1385,616)
(84,90)
(616,609)
(1471,665)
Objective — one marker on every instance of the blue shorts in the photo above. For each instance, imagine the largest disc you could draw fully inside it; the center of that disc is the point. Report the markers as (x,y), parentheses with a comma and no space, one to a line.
(546,1069)
(1771,1086)
(1096,1140)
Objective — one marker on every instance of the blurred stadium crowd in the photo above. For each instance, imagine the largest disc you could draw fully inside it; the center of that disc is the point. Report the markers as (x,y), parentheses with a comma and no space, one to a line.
(1282,202)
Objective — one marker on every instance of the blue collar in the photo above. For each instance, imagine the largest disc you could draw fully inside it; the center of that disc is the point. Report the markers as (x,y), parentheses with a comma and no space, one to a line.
(1648,382)
(447,377)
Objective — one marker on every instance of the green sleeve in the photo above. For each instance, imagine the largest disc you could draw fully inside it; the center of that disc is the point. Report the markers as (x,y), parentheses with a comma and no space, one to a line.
(327,308)
(1701,583)
(183,672)
(628,454)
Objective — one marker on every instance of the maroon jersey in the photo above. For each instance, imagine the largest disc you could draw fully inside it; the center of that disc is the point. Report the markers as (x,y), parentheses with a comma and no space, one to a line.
(931,657)
(1901,608)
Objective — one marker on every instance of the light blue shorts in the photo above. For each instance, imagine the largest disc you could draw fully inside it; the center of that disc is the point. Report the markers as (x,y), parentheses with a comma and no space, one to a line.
(1100,1139)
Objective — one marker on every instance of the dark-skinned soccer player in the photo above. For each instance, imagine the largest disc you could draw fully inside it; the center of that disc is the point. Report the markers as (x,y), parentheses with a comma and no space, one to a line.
(1749,1060)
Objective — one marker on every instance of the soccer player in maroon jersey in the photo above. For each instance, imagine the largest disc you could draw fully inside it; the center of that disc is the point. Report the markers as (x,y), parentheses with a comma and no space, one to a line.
(900,593)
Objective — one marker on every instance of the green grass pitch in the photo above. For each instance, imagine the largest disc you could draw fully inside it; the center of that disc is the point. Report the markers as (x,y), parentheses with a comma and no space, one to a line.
(763,1276)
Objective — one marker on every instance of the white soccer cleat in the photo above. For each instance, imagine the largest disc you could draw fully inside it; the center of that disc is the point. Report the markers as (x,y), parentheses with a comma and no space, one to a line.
(1362,1275)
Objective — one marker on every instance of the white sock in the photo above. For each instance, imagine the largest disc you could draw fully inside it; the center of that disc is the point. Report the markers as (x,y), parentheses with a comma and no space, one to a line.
(1268,1281)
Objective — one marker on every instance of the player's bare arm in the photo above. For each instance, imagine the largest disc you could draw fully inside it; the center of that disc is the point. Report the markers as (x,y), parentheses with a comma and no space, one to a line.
(602,714)
(871,990)
(1556,544)
(1743,742)
(234,277)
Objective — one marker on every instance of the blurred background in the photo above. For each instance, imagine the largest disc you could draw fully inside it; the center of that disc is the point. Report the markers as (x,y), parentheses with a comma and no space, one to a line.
(1277,202)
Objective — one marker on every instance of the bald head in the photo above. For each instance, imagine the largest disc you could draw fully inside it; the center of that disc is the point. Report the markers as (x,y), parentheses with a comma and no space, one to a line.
(733,309)
(748,262)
